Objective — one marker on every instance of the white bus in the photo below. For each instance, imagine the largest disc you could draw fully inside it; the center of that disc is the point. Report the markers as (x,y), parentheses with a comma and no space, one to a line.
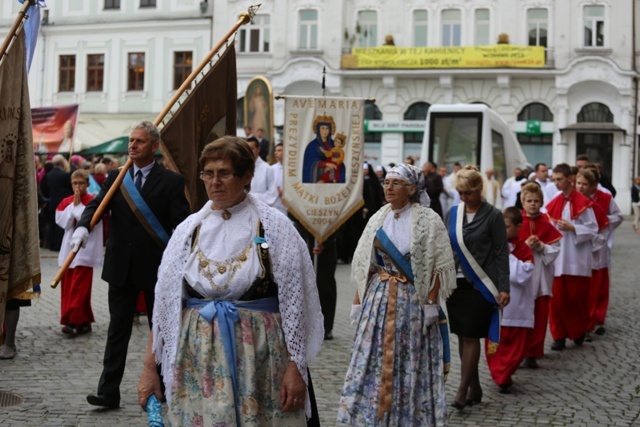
(471,134)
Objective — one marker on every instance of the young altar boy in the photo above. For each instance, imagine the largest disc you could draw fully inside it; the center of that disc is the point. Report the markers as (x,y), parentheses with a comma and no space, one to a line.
(544,240)
(573,216)
(76,315)
(517,317)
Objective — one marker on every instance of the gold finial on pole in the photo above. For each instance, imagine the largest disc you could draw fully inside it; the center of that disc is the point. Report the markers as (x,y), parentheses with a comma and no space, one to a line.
(247,16)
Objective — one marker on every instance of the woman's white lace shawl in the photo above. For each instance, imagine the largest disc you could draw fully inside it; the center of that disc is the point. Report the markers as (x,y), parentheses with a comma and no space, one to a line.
(302,319)
(431,255)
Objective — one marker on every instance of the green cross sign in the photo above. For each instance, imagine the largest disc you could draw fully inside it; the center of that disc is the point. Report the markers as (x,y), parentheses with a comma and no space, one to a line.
(533,127)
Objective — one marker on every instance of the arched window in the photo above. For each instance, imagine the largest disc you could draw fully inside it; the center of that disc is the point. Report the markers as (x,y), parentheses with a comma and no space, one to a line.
(416,111)
(372,112)
(536,145)
(535,111)
(595,112)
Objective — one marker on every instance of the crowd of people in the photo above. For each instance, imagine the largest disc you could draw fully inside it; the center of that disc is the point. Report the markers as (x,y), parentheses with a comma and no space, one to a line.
(530,255)
(237,313)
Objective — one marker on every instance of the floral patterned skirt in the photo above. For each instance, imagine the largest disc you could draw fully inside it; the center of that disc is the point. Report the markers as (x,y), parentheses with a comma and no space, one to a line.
(418,372)
(202,392)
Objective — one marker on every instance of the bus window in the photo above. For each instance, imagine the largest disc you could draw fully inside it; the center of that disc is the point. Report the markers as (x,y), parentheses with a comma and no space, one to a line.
(456,138)
(499,157)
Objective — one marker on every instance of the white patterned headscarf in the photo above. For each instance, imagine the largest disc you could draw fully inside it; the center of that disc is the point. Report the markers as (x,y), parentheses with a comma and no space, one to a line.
(412,175)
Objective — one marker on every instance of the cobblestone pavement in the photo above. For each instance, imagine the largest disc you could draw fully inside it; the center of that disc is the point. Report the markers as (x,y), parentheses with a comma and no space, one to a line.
(595,385)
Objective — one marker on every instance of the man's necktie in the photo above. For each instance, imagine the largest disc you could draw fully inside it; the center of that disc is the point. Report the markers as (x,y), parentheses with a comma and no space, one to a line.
(138,182)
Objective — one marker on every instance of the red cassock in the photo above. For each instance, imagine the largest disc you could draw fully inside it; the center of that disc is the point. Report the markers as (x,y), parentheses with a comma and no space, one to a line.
(75,297)
(505,361)
(568,309)
(545,231)
(598,299)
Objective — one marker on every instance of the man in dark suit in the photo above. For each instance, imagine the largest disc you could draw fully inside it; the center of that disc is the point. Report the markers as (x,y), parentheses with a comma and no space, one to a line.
(133,252)
(434,185)
(264,144)
(55,186)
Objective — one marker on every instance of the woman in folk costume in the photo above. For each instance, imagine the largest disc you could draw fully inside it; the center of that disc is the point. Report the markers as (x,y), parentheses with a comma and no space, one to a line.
(237,317)
(517,317)
(76,314)
(587,184)
(478,236)
(544,240)
(404,272)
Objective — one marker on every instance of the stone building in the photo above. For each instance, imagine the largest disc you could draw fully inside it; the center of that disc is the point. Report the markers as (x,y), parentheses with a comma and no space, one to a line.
(584,99)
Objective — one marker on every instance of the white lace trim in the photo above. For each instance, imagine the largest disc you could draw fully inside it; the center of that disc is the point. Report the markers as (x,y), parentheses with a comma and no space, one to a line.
(302,320)
(431,256)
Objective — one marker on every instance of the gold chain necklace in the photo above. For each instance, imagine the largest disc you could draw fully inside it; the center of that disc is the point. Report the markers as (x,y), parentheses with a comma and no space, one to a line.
(232,264)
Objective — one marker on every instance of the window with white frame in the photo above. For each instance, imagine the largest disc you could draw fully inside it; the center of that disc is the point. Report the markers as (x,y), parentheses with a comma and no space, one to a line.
(95,72)
(537,25)
(451,27)
(368,26)
(594,26)
(67,73)
(420,27)
(482,27)
(308,29)
(255,37)
(135,71)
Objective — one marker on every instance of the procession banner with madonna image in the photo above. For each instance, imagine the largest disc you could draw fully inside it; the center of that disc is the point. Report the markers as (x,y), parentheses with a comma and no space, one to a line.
(323,155)
(258,108)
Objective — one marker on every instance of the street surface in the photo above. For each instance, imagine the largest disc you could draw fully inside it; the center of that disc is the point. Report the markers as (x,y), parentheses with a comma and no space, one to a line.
(595,385)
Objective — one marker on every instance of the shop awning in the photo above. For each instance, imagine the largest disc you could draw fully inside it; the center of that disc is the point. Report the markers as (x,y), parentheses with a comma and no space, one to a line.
(115,146)
(95,129)
(593,127)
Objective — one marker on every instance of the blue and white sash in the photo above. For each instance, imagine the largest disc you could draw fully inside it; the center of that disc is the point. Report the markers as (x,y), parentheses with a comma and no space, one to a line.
(142,211)
(481,281)
(405,267)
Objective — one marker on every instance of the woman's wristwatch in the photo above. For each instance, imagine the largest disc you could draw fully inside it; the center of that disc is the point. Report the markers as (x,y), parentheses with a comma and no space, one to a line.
(430,301)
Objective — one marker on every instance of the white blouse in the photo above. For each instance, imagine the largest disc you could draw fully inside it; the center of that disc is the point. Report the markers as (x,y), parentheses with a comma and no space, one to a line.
(399,229)
(225,261)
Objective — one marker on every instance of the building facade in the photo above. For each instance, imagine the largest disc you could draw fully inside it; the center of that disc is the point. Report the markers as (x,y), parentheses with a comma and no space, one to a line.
(584,99)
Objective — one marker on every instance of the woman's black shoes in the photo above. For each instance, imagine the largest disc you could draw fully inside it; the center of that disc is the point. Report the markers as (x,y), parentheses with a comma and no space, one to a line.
(474,401)
(458,406)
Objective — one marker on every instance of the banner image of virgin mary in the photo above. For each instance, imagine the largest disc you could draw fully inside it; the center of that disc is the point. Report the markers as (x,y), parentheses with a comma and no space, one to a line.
(320,164)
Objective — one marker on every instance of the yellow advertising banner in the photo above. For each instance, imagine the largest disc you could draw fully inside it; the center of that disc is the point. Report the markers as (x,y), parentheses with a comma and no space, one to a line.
(498,56)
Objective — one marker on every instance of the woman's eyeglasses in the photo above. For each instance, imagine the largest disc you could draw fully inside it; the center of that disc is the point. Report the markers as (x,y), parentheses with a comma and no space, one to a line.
(222,175)
(394,184)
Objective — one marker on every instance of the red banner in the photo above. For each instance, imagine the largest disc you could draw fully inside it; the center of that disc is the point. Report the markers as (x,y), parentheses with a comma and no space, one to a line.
(53,128)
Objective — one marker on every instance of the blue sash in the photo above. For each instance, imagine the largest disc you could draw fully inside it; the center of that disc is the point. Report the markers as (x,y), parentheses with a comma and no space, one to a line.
(94,187)
(142,211)
(405,268)
(478,277)
(227,313)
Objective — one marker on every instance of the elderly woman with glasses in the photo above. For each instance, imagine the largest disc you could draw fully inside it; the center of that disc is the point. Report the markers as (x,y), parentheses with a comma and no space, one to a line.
(403,269)
(237,318)
(479,239)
